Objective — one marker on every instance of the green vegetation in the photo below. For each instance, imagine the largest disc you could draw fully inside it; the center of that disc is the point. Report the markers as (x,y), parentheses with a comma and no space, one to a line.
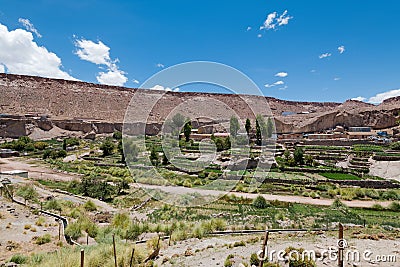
(27,192)
(247,126)
(234,126)
(43,239)
(187,130)
(339,176)
(108,147)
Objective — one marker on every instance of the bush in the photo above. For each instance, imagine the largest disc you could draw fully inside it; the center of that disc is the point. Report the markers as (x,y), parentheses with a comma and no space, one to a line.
(260,202)
(19,259)
(73,230)
(40,145)
(228,261)
(117,135)
(90,206)
(394,206)
(43,239)
(107,147)
(377,207)
(254,260)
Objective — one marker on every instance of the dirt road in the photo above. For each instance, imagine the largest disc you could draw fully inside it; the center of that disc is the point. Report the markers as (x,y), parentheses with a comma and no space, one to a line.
(43,172)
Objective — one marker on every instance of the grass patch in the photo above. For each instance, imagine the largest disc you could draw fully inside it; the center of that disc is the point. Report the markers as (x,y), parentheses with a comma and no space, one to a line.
(339,176)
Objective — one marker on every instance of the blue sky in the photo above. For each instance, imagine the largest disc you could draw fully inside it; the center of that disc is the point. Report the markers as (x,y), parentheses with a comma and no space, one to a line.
(279,44)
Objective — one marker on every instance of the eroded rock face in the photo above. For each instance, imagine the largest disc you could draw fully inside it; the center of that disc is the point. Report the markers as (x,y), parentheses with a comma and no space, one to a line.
(87,108)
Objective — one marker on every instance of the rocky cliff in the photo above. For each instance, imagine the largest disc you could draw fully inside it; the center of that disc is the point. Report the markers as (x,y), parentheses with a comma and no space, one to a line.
(29,104)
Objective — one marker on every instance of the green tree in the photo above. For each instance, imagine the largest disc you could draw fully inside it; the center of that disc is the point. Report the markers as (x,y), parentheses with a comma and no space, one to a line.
(117,135)
(130,150)
(234,126)
(108,147)
(286,154)
(154,156)
(247,126)
(309,160)
(27,192)
(187,130)
(178,120)
(299,156)
(64,144)
(122,185)
(258,134)
(165,160)
(269,128)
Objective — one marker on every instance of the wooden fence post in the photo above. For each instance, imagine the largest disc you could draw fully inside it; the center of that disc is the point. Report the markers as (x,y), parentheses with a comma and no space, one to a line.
(115,251)
(82,257)
(264,247)
(131,262)
(341,245)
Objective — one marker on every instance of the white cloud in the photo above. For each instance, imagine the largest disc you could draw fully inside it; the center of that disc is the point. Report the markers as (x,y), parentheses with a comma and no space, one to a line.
(359,98)
(113,76)
(259,35)
(341,49)
(135,81)
(274,20)
(337,79)
(162,88)
(29,26)
(379,98)
(269,23)
(325,55)
(248,28)
(275,84)
(281,74)
(20,54)
(283,88)
(159,65)
(284,19)
(99,54)
(313,71)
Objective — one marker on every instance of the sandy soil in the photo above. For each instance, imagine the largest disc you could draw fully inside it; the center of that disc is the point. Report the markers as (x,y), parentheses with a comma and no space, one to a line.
(13,220)
(386,169)
(35,171)
(214,251)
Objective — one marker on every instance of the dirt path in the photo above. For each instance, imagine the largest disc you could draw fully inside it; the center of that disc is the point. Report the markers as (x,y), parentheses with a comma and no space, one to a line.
(42,172)
(34,170)
(270,197)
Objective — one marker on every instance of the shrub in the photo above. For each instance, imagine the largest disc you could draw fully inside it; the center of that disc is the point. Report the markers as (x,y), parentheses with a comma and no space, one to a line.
(377,207)
(52,204)
(73,230)
(40,221)
(19,259)
(40,145)
(260,202)
(228,261)
(43,239)
(394,206)
(108,147)
(90,206)
(254,260)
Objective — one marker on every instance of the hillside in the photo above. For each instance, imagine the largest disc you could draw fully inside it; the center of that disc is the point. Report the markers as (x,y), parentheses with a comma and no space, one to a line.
(28,103)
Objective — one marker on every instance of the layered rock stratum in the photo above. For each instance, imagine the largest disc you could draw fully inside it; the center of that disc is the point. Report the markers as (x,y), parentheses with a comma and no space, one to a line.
(29,105)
